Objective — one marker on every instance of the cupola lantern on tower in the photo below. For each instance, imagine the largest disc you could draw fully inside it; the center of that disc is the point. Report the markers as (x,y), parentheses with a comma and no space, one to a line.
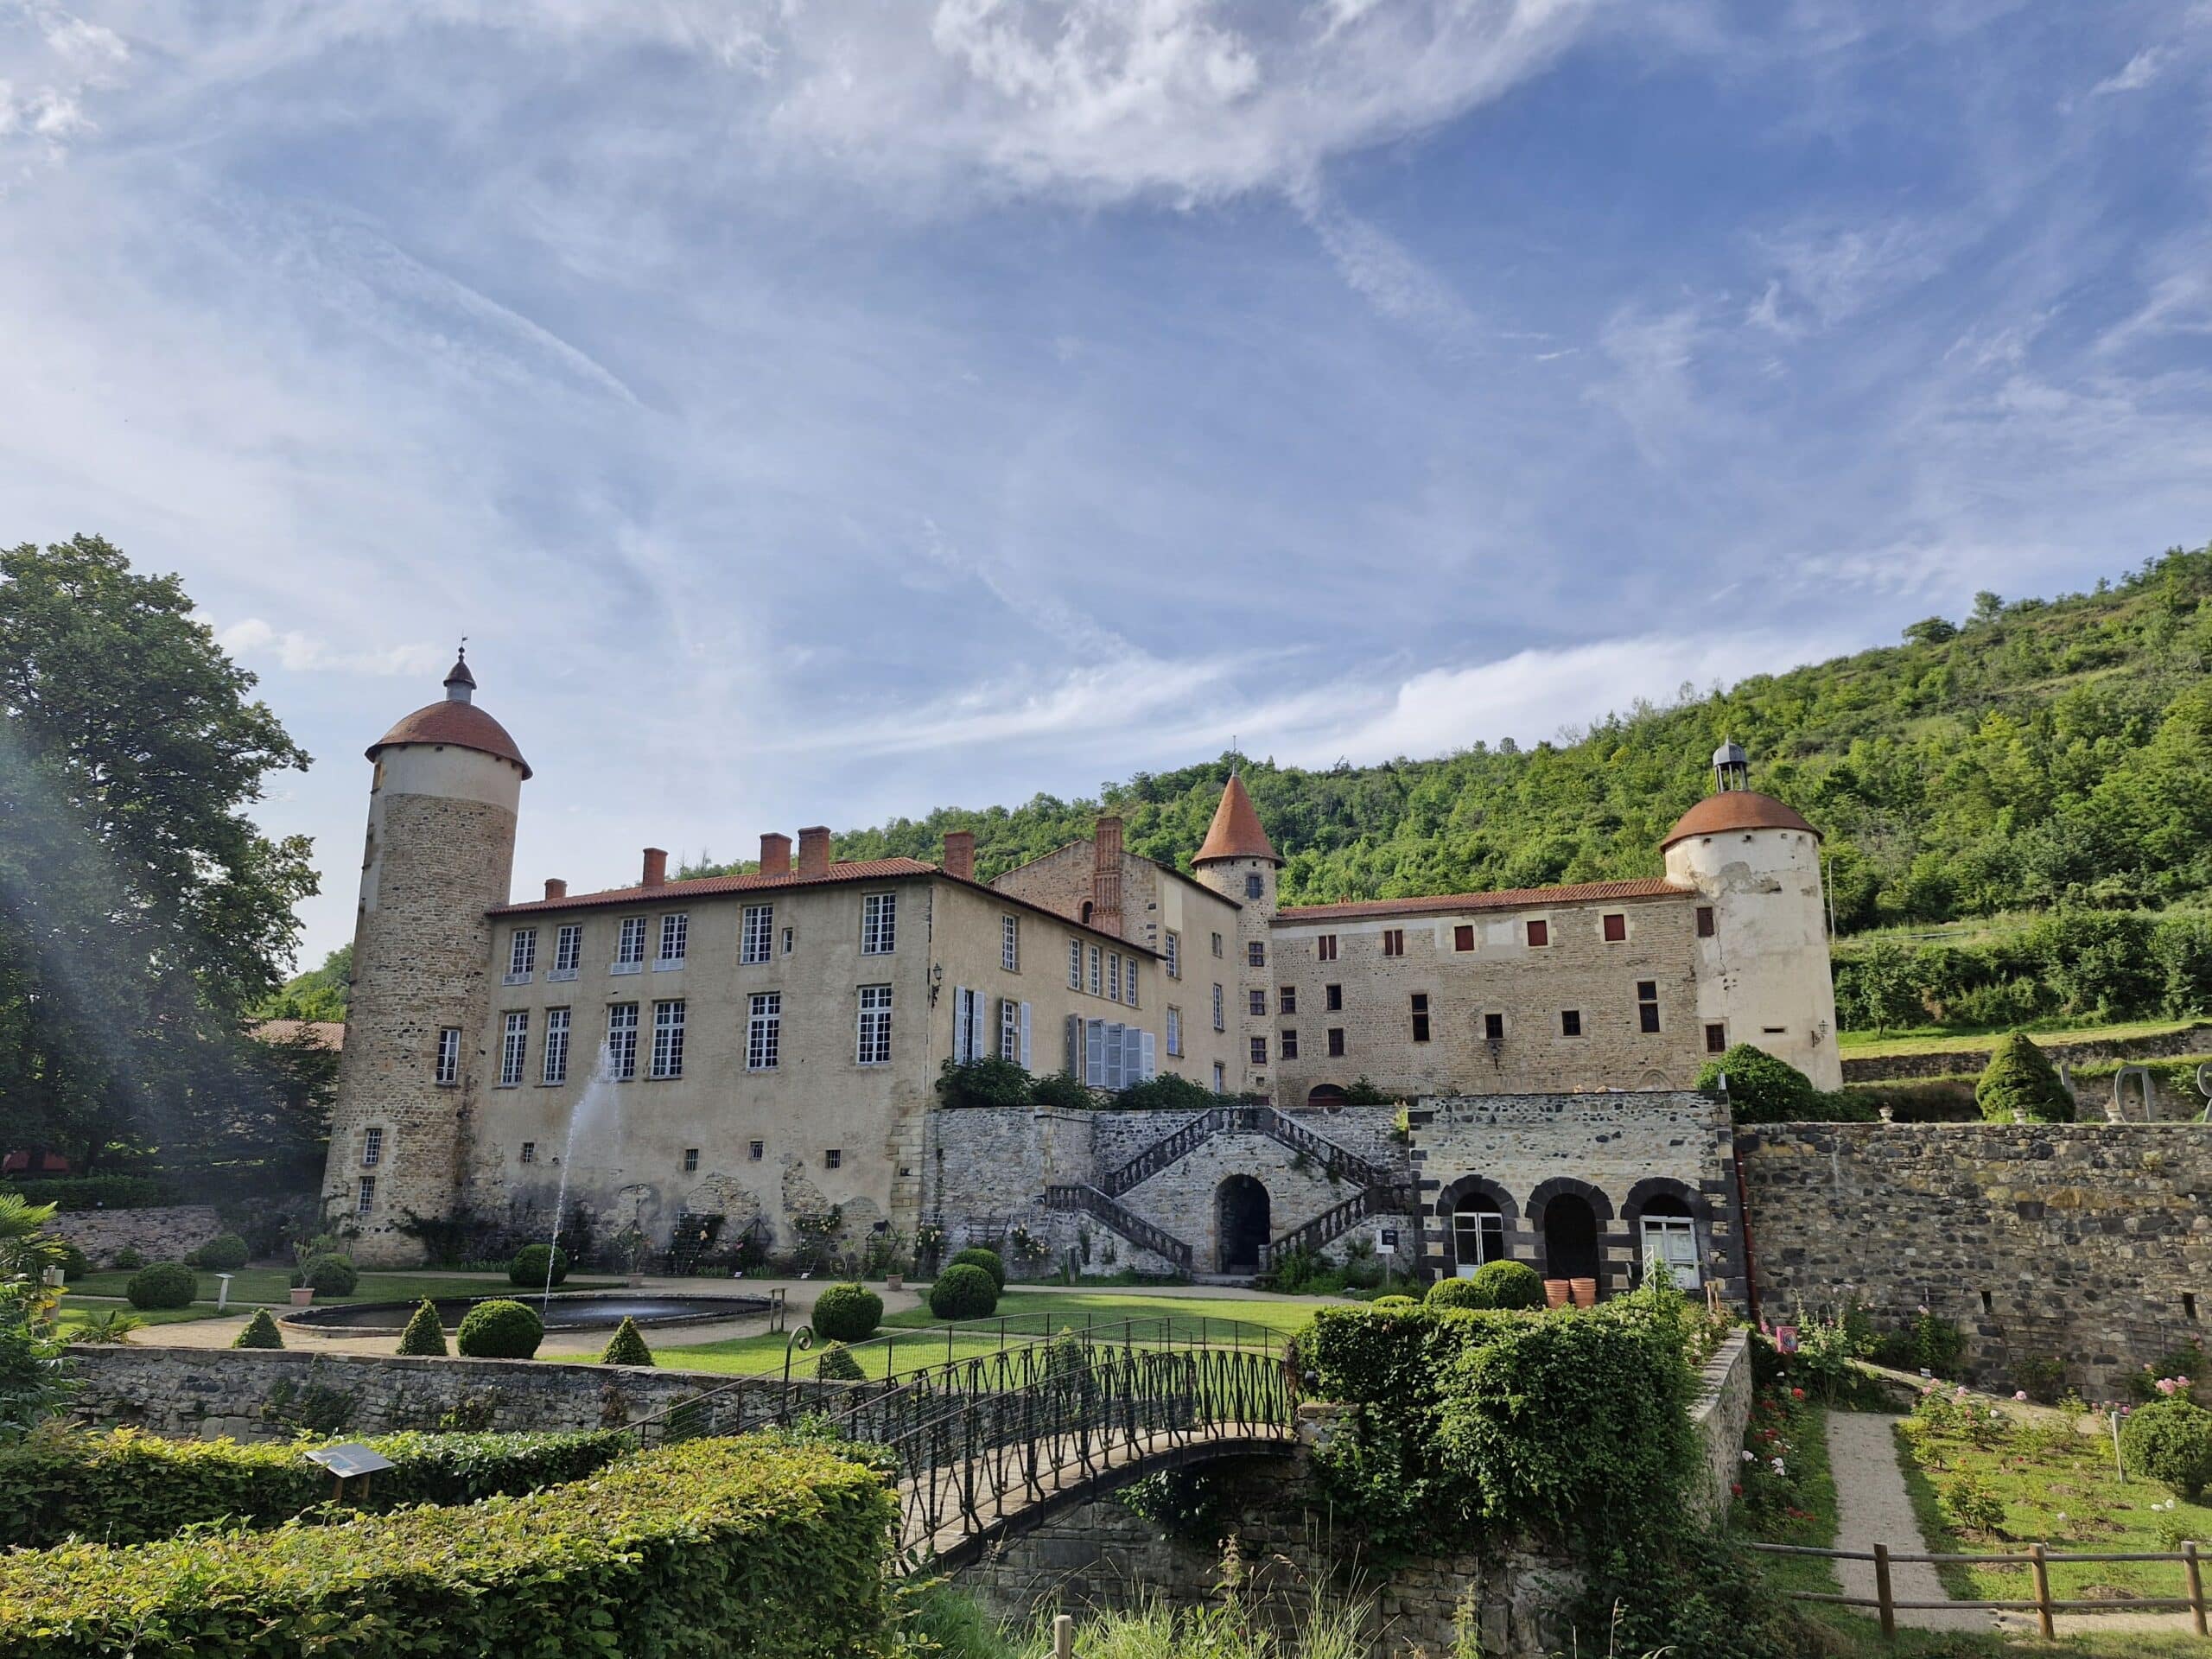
(461,684)
(1732,767)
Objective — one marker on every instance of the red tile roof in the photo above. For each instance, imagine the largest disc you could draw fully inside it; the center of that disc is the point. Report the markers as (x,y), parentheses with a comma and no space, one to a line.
(707,887)
(1236,831)
(1515,899)
(1736,809)
(462,725)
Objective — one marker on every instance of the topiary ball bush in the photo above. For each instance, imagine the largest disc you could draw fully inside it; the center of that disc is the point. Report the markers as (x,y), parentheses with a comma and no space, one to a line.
(847,1313)
(260,1332)
(528,1268)
(627,1346)
(837,1365)
(329,1275)
(1761,1089)
(424,1337)
(1455,1292)
(990,1260)
(166,1284)
(225,1253)
(963,1291)
(1509,1284)
(499,1329)
(128,1257)
(1394,1304)
(2019,1085)
(2169,1442)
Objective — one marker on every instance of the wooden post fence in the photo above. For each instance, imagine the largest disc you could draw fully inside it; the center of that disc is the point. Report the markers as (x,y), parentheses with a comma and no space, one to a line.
(1883,1596)
(2196,1586)
(2043,1592)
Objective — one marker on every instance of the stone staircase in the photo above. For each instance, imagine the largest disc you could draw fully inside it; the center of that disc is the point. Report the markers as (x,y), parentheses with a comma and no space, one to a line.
(1339,1163)
(1086,1200)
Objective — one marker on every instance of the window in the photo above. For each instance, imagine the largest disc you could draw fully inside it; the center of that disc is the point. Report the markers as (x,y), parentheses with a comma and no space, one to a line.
(1332,998)
(833,1159)
(1259,1051)
(790,934)
(1615,927)
(1478,1235)
(556,1045)
(1255,954)
(366,1196)
(630,948)
(668,1039)
(1175,1032)
(1493,1027)
(756,1150)
(568,950)
(1220,1014)
(1540,933)
(1670,1235)
(1010,943)
(1286,1000)
(1705,921)
(1324,947)
(1130,982)
(1394,941)
(1254,887)
(1570,1022)
(530,1152)
(1647,1004)
(1114,975)
(690,1160)
(760,928)
(1421,1016)
(764,1031)
(1290,1045)
(1335,1042)
(1220,1079)
(622,1040)
(1216,944)
(371,1147)
(875,1043)
(1174,956)
(1097,975)
(675,940)
(512,1044)
(1074,964)
(1256,1004)
(1716,1039)
(448,1071)
(878,924)
(522,956)
(1009,1030)
(1463,937)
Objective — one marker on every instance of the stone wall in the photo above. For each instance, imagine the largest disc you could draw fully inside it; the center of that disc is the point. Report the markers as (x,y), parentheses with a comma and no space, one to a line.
(2190,1040)
(159,1232)
(2089,1243)
(1721,1414)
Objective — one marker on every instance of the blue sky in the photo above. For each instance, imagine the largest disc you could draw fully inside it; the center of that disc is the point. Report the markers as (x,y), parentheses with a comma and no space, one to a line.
(813,412)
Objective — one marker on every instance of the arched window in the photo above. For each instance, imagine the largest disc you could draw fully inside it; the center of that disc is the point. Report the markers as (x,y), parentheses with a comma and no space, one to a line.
(1083,915)
(1326,1097)
(1478,1234)
(1669,1234)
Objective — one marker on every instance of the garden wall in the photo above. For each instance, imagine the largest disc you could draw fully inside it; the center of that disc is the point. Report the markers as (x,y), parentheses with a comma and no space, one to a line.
(1968,1061)
(2088,1244)
(160,1233)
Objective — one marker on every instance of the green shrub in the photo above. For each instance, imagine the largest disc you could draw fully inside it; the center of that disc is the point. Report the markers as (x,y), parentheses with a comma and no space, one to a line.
(838,1365)
(988,1081)
(260,1332)
(72,1262)
(847,1313)
(424,1337)
(127,1258)
(1454,1293)
(329,1275)
(990,1260)
(1394,1303)
(2019,1085)
(128,1487)
(166,1284)
(1761,1089)
(225,1253)
(963,1291)
(627,1346)
(527,1270)
(1509,1285)
(2169,1442)
(499,1329)
(96,1192)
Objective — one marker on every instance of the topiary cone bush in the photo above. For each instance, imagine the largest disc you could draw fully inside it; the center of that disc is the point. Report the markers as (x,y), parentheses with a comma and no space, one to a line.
(1509,1285)
(225,1253)
(2019,1085)
(260,1332)
(627,1346)
(528,1268)
(2169,1442)
(166,1284)
(838,1365)
(963,1291)
(330,1274)
(1454,1293)
(990,1260)
(847,1313)
(499,1329)
(424,1336)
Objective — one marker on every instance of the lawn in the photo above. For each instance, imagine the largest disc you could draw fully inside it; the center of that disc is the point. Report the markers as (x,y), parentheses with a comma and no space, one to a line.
(1801,1511)
(1869,1045)
(73,1316)
(273,1286)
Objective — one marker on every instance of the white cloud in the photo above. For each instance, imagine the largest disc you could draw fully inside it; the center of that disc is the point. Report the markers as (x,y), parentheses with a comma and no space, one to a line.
(2133,76)
(252,638)
(1825,275)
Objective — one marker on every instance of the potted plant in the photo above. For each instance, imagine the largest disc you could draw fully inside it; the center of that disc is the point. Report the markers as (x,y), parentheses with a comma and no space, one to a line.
(302,1295)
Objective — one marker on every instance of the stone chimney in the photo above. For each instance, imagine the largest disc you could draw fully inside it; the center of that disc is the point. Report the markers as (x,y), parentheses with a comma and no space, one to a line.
(960,853)
(1106,876)
(775,853)
(656,874)
(555,887)
(814,852)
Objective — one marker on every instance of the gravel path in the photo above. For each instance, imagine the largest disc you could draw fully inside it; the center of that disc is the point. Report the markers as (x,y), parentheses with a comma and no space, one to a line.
(1872,1506)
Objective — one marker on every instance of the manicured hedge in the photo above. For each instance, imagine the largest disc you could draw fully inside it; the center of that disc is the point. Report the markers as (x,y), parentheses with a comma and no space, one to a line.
(165,1284)
(527,1269)
(225,1253)
(990,1260)
(499,1329)
(95,1191)
(708,1547)
(964,1292)
(848,1312)
(123,1486)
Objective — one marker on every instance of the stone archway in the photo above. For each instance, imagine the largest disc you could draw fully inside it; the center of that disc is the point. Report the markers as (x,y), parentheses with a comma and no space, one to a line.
(1571,1239)
(1242,1223)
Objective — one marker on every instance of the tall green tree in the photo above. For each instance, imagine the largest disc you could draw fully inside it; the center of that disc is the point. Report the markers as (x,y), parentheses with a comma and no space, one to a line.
(143,914)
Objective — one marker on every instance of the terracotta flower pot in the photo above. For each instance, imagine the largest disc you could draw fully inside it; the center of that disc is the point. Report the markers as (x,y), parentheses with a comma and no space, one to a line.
(302,1294)
(1558,1293)
(1585,1292)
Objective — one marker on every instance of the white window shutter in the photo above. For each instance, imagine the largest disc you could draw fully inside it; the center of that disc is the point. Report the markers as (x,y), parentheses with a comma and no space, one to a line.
(1024,1036)
(1145,1071)
(1094,1052)
(978,1045)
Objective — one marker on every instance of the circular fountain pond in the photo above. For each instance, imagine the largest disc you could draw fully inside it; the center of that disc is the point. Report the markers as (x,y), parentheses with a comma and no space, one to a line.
(579,1311)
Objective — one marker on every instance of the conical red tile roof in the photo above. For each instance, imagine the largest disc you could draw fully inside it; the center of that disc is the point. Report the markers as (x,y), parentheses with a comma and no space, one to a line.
(1236,832)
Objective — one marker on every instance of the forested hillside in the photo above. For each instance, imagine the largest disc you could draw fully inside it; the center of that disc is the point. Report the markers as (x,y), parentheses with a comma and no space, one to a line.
(2037,752)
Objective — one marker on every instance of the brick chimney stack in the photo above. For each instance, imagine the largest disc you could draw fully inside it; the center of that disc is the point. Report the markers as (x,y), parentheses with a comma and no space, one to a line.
(555,887)
(814,852)
(1106,876)
(960,853)
(775,853)
(656,873)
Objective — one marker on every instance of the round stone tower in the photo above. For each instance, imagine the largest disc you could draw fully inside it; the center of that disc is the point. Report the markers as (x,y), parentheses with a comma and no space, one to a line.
(440,854)
(1238,862)
(1763,970)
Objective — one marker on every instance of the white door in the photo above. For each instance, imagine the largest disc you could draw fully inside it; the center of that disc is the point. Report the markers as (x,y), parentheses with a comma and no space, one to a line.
(1673,1239)
(1478,1235)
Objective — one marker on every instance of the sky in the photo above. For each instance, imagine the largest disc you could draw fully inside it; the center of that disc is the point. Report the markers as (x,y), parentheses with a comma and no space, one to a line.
(819,410)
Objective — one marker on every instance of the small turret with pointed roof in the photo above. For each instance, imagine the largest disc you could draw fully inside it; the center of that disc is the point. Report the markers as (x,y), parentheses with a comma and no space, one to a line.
(461,684)
(1236,831)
